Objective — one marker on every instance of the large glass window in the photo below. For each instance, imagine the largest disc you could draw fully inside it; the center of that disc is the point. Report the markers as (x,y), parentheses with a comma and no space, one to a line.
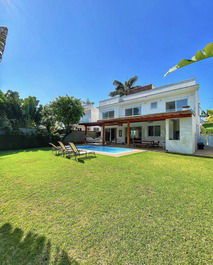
(108,114)
(181,103)
(132,111)
(174,130)
(154,130)
(176,105)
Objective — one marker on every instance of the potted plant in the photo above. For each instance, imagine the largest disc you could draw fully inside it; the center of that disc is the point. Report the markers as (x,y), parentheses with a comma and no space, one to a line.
(200,145)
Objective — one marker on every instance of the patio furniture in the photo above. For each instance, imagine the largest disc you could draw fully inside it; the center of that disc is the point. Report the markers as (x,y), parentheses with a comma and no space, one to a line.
(56,149)
(78,152)
(66,150)
(146,143)
(93,140)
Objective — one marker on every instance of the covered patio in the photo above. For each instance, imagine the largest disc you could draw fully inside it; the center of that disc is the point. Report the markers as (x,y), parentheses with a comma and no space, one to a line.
(131,130)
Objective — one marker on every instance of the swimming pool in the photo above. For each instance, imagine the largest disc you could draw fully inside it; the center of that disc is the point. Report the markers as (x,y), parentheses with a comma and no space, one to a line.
(106,149)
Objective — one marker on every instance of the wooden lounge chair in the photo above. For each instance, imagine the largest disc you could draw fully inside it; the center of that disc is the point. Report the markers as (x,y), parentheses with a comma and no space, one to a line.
(66,150)
(56,149)
(78,152)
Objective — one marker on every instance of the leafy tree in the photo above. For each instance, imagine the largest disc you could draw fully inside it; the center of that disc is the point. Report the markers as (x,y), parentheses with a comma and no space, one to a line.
(67,110)
(47,117)
(122,89)
(200,55)
(87,102)
(31,111)
(3,37)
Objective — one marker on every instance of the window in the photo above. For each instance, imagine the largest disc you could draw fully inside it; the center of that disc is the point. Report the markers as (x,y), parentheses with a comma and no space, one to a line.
(174,130)
(181,103)
(154,130)
(132,111)
(108,114)
(176,105)
(120,133)
(170,106)
(154,105)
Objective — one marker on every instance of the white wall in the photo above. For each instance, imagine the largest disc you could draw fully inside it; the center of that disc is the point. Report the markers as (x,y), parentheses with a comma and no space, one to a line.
(187,142)
(145,105)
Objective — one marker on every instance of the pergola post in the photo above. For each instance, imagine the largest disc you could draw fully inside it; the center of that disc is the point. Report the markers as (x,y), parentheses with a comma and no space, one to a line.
(85,129)
(103,134)
(128,133)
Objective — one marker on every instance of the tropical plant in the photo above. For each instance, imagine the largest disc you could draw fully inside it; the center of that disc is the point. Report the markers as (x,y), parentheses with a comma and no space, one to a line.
(122,89)
(67,110)
(200,55)
(3,37)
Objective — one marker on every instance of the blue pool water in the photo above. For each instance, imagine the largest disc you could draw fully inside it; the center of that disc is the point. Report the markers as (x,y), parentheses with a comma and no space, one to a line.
(105,149)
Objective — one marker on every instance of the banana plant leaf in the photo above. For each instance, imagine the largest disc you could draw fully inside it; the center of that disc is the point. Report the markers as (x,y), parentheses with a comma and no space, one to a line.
(3,36)
(200,55)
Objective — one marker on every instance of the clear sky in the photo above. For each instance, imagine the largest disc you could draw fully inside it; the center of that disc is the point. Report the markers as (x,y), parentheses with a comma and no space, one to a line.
(78,47)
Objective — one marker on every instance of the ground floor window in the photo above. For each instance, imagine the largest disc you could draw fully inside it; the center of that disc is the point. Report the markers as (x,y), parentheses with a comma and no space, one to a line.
(174,129)
(154,130)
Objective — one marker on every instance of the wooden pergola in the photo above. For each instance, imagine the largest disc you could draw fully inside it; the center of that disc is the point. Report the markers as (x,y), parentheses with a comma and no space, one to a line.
(134,119)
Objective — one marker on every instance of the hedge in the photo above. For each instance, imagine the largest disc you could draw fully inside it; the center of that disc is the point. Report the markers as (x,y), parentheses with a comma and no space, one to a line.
(13,142)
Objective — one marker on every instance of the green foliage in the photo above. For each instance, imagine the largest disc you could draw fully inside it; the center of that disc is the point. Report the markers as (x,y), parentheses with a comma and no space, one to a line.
(146,208)
(122,89)
(67,110)
(207,52)
(48,117)
(17,112)
(3,37)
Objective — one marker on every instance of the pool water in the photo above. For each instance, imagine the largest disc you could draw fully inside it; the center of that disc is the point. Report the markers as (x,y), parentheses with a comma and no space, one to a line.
(105,149)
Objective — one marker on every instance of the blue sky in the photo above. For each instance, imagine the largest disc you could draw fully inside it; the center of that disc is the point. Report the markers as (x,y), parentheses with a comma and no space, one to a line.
(79,47)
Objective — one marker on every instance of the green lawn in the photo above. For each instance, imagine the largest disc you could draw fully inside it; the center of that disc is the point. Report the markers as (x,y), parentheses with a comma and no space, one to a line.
(146,208)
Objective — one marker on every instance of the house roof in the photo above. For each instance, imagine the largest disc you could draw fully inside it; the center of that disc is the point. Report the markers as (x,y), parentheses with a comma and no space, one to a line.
(142,118)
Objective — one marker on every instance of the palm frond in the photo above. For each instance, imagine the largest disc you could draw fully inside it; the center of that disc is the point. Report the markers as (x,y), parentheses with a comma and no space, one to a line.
(117,83)
(132,80)
(207,52)
(3,37)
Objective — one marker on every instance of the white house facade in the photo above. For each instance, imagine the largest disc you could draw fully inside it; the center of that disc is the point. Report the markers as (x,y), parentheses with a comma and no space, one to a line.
(91,114)
(168,115)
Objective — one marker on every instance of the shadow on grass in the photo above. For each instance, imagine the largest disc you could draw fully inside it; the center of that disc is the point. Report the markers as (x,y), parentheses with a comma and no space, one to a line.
(81,159)
(12,152)
(19,249)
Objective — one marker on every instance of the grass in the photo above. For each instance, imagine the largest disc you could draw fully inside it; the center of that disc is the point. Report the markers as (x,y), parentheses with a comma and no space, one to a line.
(146,208)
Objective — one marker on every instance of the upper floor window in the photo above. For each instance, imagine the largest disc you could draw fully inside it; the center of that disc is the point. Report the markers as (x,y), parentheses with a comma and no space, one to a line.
(154,105)
(176,104)
(108,114)
(133,111)
(154,130)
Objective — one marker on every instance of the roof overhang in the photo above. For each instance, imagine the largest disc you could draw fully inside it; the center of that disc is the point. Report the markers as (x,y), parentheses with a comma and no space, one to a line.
(142,118)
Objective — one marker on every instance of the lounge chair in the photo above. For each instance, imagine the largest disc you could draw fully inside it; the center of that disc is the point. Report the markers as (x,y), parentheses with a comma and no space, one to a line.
(66,150)
(56,149)
(93,140)
(78,152)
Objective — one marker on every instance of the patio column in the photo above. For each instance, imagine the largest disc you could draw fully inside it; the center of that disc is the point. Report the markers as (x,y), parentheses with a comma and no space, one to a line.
(103,135)
(128,133)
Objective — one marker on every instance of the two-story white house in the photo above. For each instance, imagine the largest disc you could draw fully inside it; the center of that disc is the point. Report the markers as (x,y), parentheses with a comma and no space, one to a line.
(168,114)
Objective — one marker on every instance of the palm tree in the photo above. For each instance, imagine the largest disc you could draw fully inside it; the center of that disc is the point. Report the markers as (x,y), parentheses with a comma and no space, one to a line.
(123,88)
(3,36)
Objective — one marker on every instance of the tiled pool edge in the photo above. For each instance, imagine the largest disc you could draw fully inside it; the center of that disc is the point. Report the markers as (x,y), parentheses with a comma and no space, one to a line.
(118,155)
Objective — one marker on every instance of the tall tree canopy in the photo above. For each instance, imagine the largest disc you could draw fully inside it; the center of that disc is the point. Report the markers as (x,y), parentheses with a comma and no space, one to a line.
(19,112)
(200,55)
(67,110)
(122,89)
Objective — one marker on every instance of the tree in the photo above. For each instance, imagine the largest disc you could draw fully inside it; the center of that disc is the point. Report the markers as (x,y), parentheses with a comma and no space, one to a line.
(67,110)
(122,89)
(207,52)
(31,111)
(47,117)
(3,37)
